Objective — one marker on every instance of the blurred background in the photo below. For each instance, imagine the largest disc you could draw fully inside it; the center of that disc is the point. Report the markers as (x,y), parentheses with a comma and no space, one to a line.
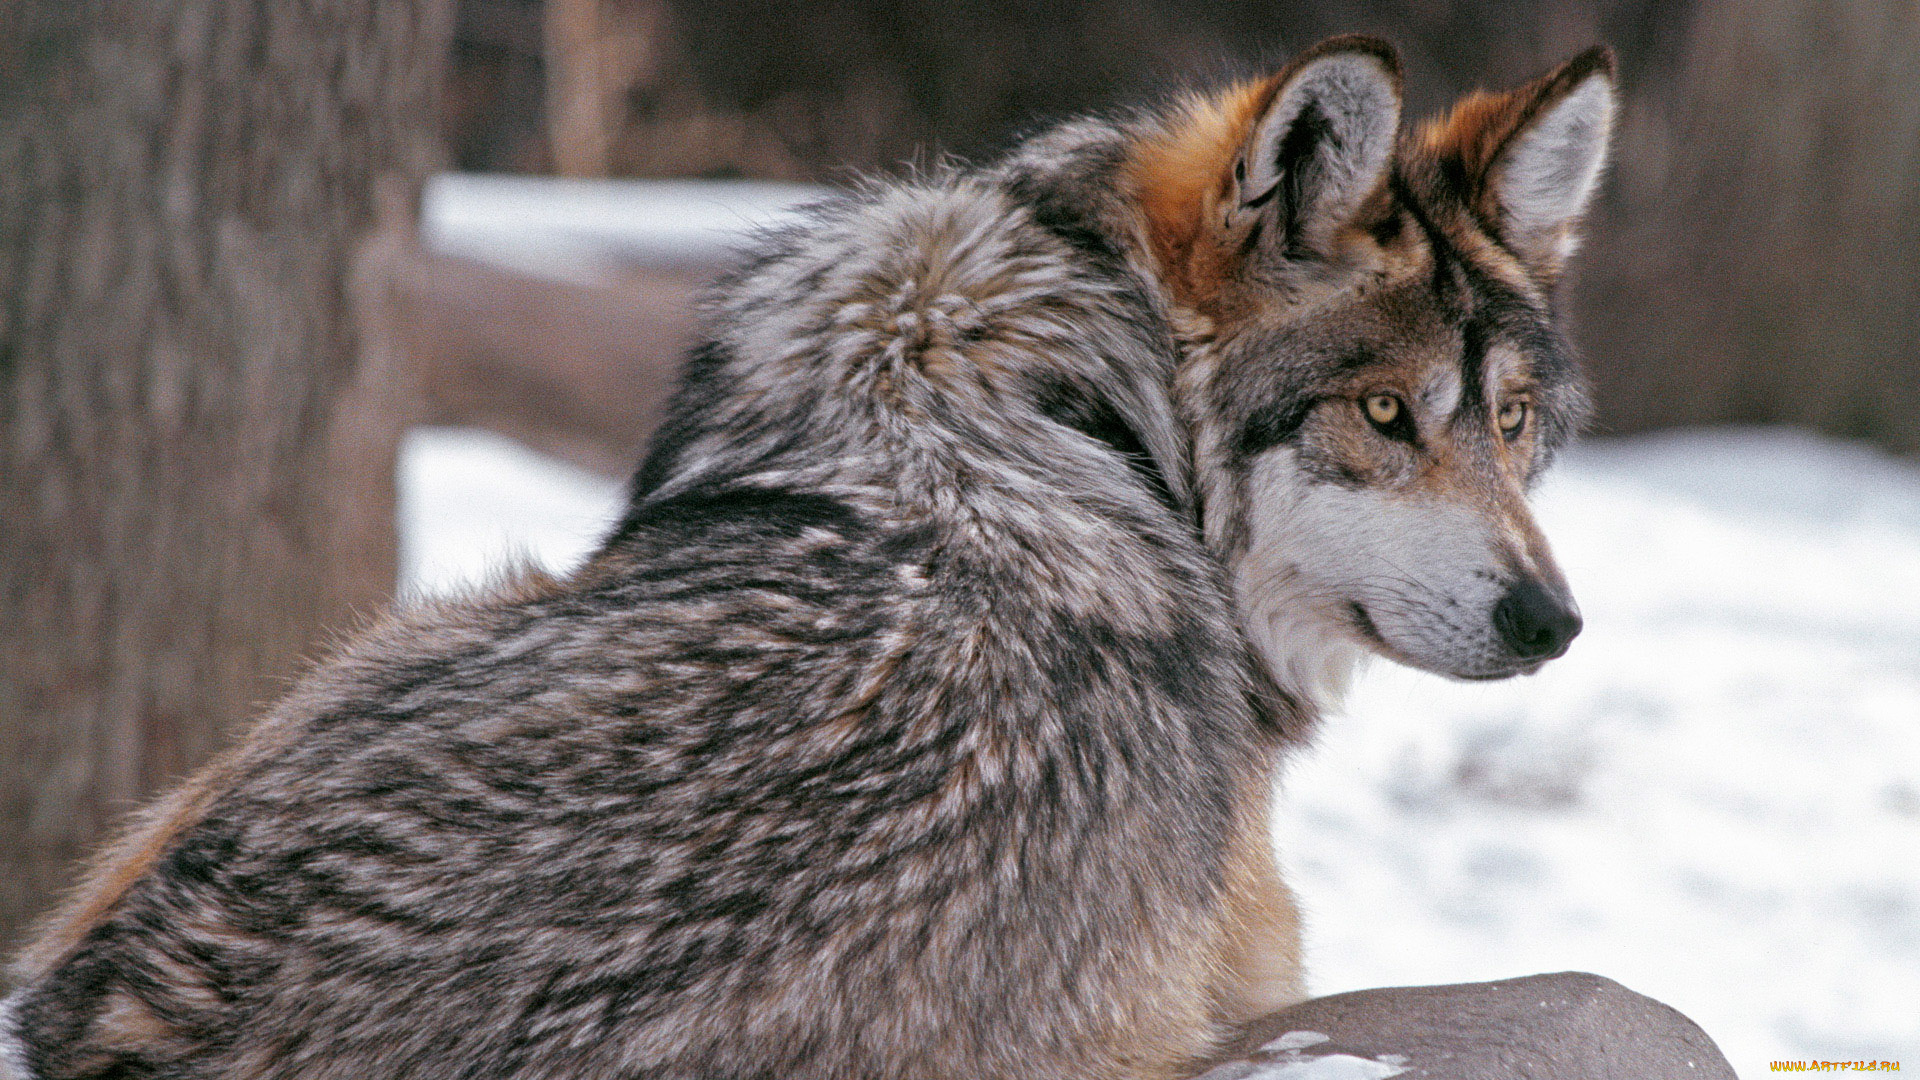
(271,269)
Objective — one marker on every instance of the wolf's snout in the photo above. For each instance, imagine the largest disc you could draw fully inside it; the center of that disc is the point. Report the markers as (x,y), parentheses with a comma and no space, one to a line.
(1535,622)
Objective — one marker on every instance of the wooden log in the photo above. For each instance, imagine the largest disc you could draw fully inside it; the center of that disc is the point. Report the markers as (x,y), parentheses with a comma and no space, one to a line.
(1566,1026)
(580,370)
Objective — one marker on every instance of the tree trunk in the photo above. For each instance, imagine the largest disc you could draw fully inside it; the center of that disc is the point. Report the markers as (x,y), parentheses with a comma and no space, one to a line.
(195,444)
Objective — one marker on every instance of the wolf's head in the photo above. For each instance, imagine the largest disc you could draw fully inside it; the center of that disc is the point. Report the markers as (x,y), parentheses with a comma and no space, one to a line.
(1371,370)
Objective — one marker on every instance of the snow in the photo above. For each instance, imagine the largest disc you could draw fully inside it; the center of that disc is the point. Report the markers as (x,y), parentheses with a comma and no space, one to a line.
(1283,1059)
(586,229)
(1295,1067)
(473,504)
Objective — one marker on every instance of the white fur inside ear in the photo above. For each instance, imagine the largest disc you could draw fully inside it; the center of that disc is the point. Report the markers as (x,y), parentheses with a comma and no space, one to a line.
(1356,99)
(1548,174)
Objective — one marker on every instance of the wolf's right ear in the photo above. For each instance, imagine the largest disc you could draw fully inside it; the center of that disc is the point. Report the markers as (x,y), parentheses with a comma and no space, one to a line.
(1545,172)
(1321,146)
(1532,157)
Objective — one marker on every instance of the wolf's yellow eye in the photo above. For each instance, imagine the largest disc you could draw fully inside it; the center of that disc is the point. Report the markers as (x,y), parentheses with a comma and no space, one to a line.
(1383,409)
(1513,417)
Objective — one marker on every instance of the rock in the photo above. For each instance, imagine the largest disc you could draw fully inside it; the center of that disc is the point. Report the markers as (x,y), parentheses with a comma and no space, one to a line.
(1566,1026)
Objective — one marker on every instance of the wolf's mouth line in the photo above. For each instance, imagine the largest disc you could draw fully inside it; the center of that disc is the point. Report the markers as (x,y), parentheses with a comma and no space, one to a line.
(1364,626)
(1369,632)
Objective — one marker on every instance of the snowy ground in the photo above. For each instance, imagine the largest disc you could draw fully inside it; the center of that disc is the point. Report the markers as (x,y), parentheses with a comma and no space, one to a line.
(581,230)
(1714,798)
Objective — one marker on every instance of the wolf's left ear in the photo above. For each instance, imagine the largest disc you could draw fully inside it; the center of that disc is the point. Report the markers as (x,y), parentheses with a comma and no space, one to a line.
(1544,172)
(1322,144)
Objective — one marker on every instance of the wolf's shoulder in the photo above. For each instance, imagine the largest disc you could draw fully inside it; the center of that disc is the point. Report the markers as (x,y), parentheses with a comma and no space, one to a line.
(927,262)
(966,322)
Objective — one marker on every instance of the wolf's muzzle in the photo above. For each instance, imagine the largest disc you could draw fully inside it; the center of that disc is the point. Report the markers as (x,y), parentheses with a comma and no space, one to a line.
(1534,622)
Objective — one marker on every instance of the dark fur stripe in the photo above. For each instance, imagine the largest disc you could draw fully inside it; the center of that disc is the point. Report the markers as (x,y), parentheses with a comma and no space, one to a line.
(1272,426)
(1095,417)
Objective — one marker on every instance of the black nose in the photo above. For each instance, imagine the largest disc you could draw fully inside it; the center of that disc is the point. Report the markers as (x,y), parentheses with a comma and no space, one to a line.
(1534,622)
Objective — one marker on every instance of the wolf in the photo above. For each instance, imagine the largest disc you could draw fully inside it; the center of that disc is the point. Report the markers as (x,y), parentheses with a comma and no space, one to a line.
(920,717)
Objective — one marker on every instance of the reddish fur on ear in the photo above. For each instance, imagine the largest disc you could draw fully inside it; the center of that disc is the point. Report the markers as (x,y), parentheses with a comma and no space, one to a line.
(1472,135)
(1182,174)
